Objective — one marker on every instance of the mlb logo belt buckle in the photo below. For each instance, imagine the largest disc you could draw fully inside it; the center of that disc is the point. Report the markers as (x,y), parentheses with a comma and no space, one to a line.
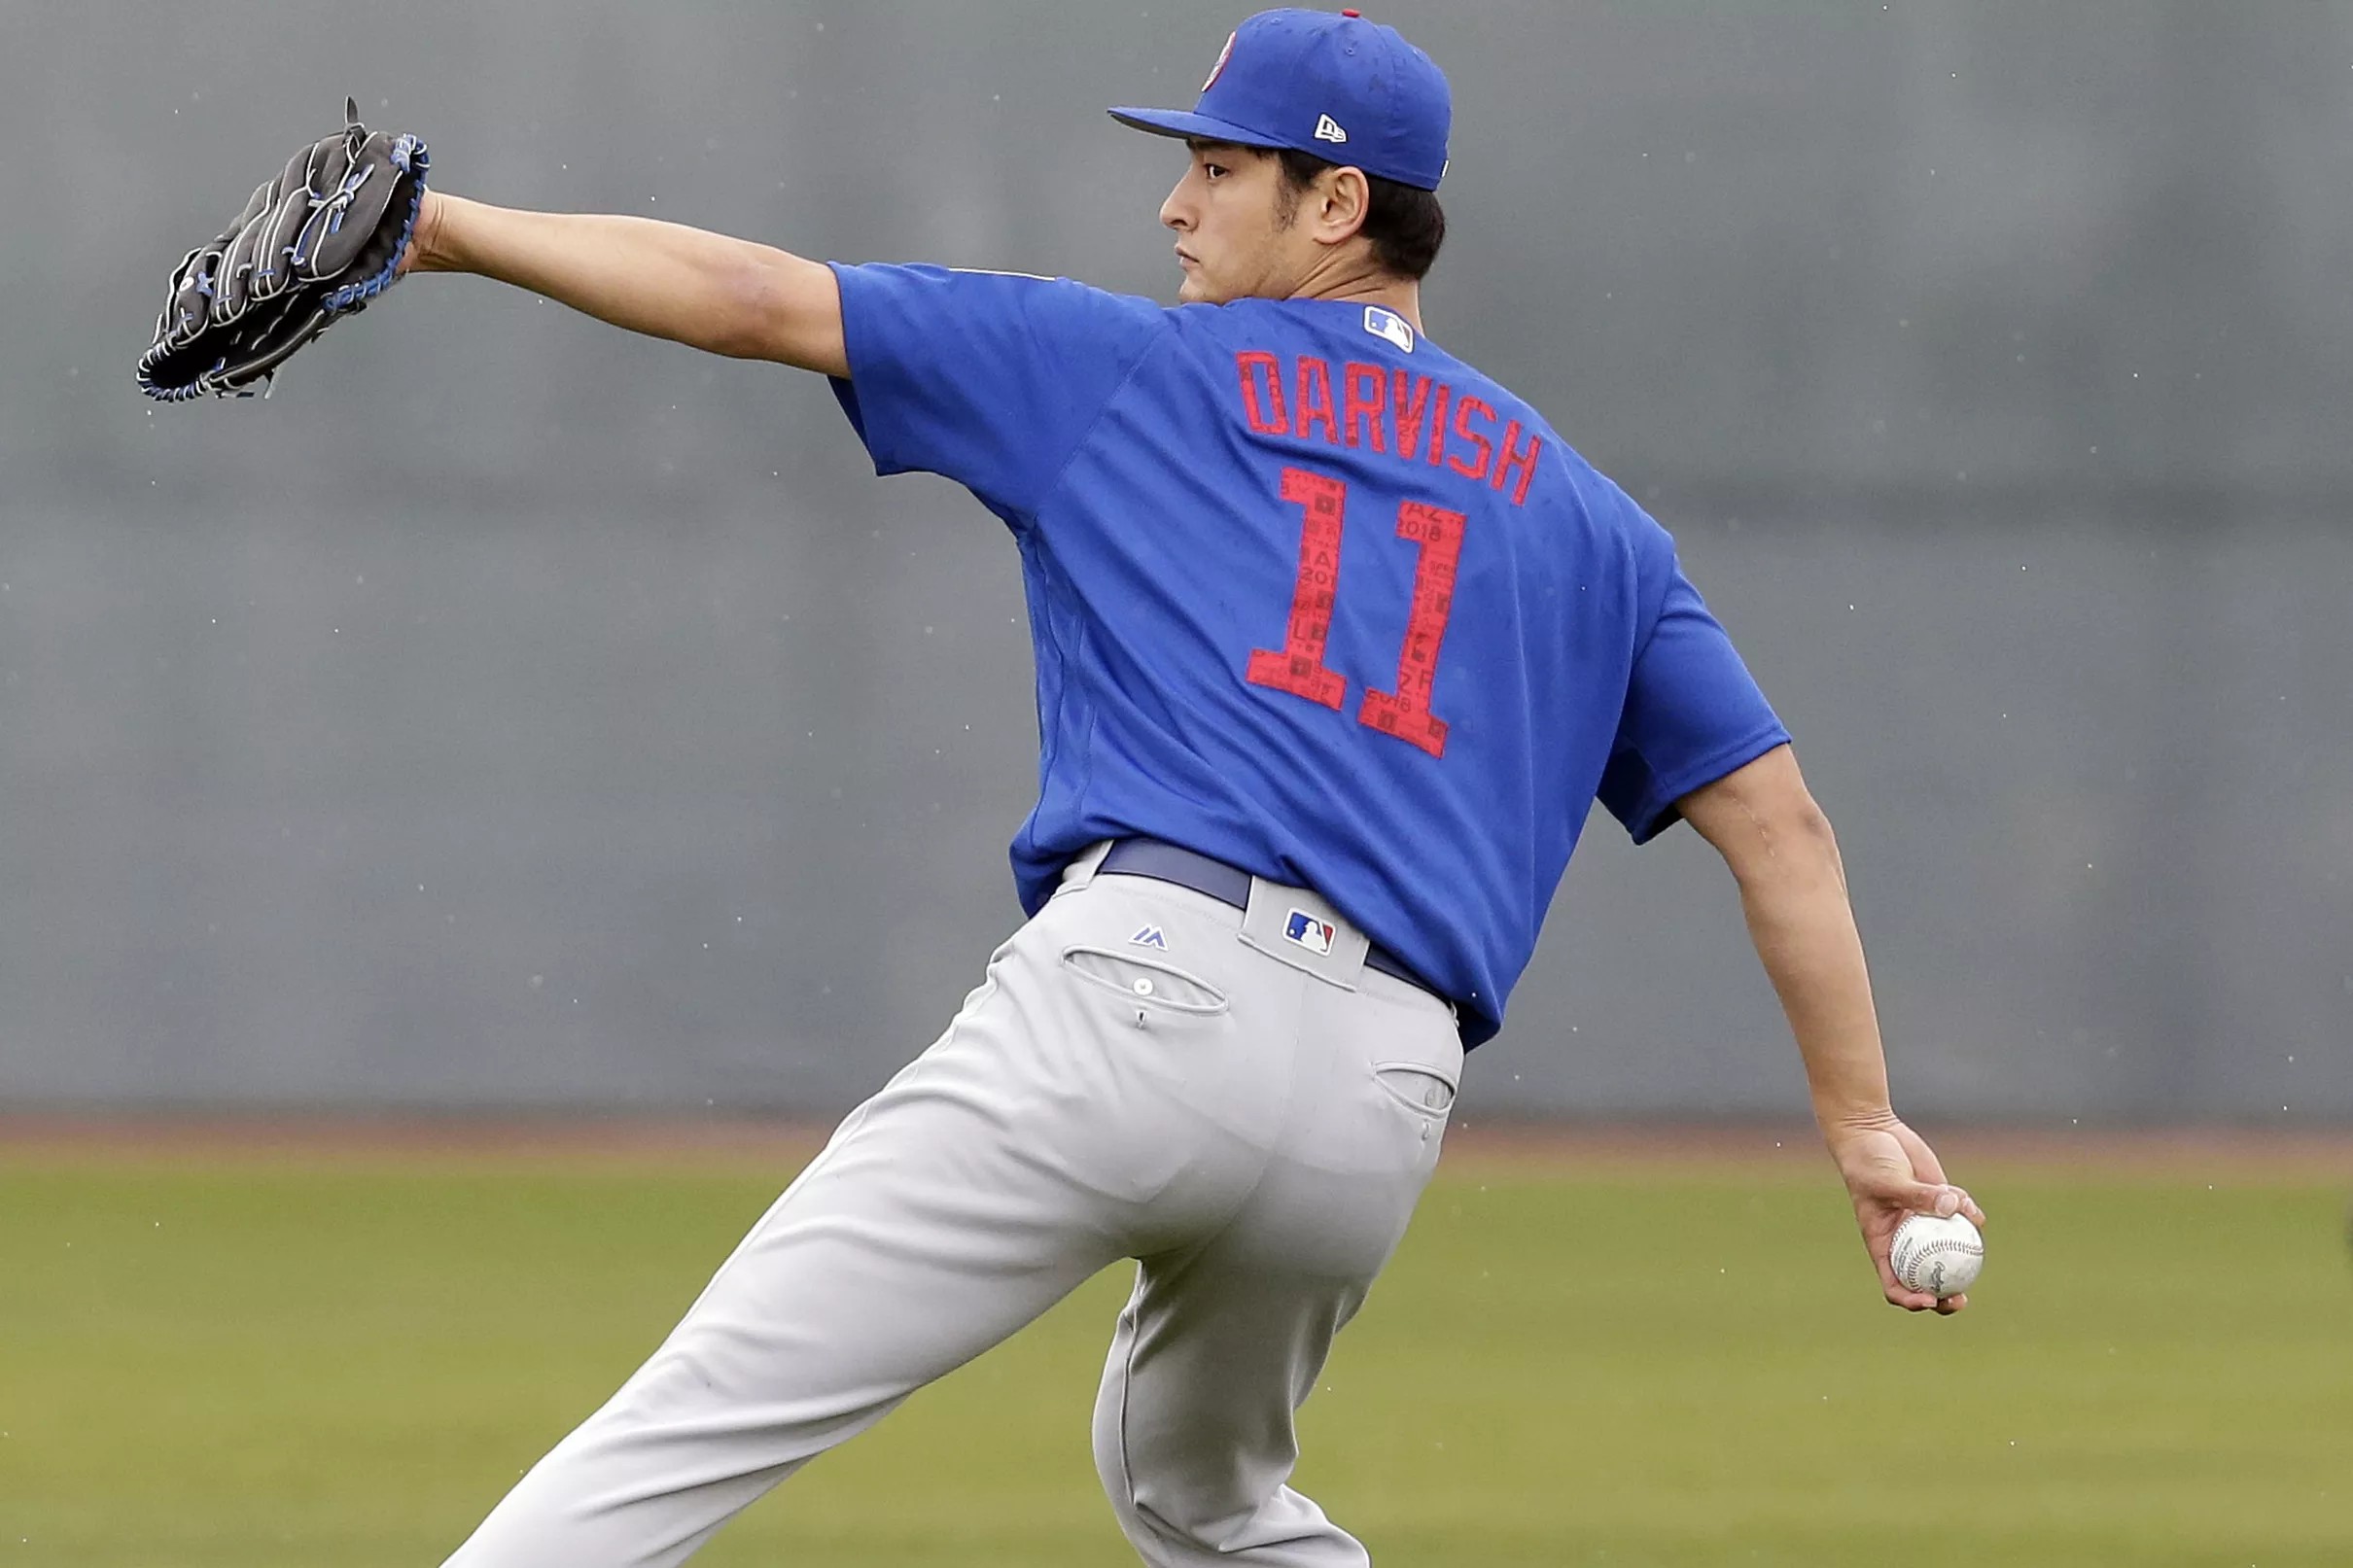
(1315,935)
(1296,926)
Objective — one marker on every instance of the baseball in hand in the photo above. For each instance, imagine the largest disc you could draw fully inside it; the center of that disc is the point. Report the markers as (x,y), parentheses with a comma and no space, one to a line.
(1940,1256)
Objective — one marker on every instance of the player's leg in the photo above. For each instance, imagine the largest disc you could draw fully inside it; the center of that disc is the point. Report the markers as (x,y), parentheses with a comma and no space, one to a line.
(1066,1120)
(1223,1341)
(932,1226)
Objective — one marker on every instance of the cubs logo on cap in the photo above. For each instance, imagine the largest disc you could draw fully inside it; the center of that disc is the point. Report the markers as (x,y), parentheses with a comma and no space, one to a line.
(1343,88)
(1215,71)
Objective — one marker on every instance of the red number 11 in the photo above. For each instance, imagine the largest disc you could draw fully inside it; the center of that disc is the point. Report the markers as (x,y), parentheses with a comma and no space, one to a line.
(1299,669)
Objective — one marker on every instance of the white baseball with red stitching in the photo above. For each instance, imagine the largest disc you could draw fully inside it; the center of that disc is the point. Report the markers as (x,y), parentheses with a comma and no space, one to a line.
(1940,1256)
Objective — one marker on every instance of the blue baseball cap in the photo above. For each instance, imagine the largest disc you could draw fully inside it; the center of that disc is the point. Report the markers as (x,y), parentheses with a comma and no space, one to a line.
(1345,90)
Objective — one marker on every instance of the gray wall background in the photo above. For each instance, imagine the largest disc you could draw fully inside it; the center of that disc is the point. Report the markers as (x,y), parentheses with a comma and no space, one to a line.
(511,714)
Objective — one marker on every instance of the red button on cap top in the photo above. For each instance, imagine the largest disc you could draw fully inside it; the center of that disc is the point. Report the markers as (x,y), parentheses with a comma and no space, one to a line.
(1358,15)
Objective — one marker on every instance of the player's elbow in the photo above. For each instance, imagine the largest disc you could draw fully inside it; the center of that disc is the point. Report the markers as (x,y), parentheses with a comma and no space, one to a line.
(1765,822)
(1796,849)
(1805,828)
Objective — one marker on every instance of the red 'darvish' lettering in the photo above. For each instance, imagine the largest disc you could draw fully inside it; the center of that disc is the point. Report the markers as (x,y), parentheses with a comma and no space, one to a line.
(1406,712)
(1409,416)
(1262,373)
(1466,410)
(1364,392)
(1387,410)
(1299,669)
(1316,400)
(1522,458)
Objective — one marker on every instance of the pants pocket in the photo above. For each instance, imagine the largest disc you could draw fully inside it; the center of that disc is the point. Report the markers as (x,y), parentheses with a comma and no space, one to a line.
(1416,1086)
(1152,988)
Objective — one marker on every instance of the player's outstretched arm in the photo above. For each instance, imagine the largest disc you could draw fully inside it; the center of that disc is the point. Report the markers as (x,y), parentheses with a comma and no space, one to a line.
(708,290)
(1793,889)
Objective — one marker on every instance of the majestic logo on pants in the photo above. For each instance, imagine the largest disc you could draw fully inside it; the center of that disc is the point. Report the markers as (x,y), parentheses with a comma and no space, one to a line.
(1150,937)
(1309,932)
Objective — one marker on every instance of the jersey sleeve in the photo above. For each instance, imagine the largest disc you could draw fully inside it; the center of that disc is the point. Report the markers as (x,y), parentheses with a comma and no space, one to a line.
(1693,713)
(990,379)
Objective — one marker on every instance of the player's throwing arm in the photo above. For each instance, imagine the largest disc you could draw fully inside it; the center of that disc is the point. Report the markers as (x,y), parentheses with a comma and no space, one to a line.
(1792,890)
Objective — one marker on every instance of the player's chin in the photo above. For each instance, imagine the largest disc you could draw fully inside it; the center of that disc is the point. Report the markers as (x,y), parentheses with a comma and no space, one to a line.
(1201,288)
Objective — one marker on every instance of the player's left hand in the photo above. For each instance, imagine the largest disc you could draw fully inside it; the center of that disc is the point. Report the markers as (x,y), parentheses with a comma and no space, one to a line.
(1890,1172)
(312,245)
(420,253)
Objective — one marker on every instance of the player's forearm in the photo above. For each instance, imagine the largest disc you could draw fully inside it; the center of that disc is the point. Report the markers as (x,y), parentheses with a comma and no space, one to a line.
(1804,928)
(1764,821)
(708,290)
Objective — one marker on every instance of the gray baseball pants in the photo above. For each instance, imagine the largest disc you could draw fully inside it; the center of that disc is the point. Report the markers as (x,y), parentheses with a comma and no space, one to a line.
(1145,1072)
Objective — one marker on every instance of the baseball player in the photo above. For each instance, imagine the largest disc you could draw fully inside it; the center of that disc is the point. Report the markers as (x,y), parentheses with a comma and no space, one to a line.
(1337,642)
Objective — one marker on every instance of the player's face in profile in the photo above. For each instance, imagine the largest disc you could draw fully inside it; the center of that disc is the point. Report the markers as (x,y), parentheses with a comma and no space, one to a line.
(1234,237)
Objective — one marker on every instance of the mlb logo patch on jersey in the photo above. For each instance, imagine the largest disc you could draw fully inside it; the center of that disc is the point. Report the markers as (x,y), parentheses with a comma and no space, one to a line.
(1149,937)
(1389,324)
(1309,932)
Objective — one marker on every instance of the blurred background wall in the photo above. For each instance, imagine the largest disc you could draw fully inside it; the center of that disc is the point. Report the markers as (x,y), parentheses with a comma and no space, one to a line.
(511,714)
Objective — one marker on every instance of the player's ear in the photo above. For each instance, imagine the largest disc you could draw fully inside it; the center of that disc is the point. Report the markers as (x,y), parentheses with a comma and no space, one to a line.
(1346,199)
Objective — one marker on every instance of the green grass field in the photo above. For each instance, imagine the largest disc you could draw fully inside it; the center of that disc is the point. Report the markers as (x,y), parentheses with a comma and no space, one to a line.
(315,1365)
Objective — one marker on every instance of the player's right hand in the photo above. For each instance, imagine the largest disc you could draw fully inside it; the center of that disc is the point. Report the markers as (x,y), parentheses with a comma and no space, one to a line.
(1890,1172)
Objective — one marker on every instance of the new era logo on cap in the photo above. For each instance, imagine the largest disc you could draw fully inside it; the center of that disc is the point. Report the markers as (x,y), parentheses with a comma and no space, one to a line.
(1309,932)
(1315,81)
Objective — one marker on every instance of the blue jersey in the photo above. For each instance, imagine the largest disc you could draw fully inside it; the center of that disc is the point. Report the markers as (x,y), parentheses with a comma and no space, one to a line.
(1310,596)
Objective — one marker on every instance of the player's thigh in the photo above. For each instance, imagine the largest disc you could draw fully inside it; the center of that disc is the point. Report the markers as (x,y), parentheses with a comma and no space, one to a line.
(1221,1340)
(1378,1071)
(928,1226)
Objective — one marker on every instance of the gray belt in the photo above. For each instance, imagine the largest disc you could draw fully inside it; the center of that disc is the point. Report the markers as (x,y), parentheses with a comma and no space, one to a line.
(1228,884)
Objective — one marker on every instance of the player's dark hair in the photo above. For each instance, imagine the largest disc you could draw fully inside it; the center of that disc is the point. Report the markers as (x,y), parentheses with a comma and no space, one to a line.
(1406,225)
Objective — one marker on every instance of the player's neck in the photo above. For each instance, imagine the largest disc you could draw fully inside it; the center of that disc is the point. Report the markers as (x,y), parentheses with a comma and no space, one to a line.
(1365,285)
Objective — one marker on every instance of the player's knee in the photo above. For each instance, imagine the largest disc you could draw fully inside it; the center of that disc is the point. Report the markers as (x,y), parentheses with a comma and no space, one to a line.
(1169,1493)
(1130,1472)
